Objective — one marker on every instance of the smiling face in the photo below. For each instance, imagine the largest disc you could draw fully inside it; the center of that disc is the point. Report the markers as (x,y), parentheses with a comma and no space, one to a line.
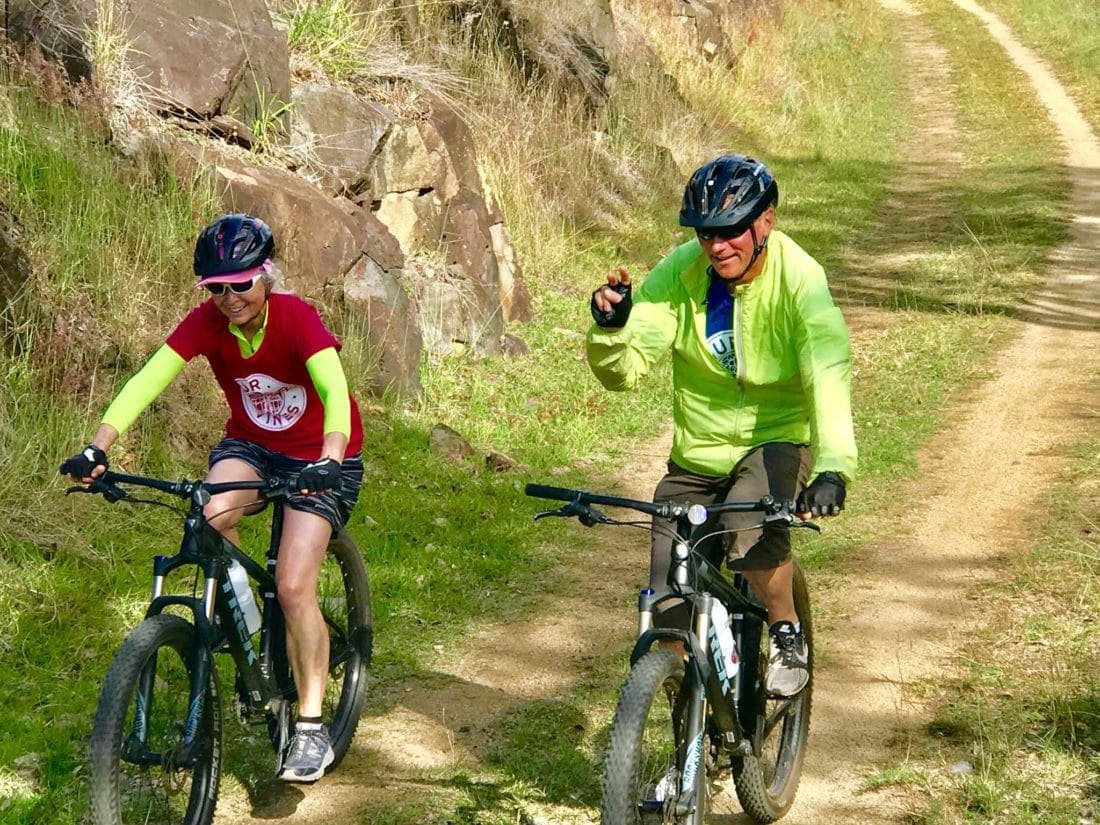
(244,309)
(730,256)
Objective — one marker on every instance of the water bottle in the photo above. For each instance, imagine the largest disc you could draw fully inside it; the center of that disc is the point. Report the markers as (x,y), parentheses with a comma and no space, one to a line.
(238,576)
(727,652)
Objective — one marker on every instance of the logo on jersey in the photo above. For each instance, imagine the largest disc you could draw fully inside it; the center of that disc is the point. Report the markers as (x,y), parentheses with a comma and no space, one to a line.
(272,405)
(721,347)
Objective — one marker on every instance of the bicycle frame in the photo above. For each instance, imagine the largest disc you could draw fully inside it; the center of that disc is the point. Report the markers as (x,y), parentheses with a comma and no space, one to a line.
(696,581)
(733,697)
(219,622)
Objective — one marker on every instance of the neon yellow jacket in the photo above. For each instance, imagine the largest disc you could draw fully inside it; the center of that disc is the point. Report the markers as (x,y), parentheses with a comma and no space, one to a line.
(793,360)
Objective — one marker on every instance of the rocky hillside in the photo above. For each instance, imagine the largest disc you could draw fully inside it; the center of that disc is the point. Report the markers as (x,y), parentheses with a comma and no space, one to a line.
(394,147)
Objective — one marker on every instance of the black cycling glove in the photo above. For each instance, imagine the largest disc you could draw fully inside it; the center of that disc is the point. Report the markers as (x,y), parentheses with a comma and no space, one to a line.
(824,497)
(81,465)
(619,312)
(321,476)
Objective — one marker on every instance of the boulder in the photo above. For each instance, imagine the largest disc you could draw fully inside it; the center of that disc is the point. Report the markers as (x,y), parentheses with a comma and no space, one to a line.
(337,134)
(448,443)
(392,329)
(701,21)
(201,57)
(405,163)
(468,249)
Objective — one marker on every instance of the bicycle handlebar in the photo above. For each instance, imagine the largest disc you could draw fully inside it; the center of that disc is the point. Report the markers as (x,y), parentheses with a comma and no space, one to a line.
(107,486)
(667,509)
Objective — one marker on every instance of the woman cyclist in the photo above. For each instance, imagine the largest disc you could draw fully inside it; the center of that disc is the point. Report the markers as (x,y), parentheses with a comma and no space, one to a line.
(290,414)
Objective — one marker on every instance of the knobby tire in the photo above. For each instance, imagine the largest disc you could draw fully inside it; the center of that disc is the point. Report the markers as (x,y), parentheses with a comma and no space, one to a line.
(644,736)
(125,793)
(766,784)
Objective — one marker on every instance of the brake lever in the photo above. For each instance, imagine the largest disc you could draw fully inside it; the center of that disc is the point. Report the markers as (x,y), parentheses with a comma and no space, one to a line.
(586,515)
(109,491)
(791,521)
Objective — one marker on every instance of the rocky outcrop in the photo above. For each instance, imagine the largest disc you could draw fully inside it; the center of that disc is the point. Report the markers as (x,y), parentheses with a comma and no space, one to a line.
(701,21)
(202,57)
(337,135)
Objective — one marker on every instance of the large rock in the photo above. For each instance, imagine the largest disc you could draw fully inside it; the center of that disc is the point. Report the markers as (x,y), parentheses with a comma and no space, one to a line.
(393,333)
(406,163)
(468,249)
(200,57)
(701,20)
(337,134)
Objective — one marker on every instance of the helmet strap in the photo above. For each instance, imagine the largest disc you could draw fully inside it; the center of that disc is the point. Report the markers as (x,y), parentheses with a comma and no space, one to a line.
(758,247)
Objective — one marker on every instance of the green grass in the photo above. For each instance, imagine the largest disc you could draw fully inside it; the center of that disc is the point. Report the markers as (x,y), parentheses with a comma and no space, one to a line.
(1065,33)
(451,546)
(1024,708)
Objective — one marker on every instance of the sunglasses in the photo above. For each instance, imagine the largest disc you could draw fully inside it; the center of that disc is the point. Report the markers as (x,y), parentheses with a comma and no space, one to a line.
(726,233)
(240,289)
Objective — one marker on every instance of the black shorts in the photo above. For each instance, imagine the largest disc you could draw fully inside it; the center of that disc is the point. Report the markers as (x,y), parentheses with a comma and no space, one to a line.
(780,469)
(333,507)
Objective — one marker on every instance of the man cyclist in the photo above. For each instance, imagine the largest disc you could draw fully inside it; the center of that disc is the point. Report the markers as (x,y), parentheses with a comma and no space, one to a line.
(290,414)
(761,384)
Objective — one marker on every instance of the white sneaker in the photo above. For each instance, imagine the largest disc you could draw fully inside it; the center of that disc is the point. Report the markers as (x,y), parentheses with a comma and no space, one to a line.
(309,753)
(788,664)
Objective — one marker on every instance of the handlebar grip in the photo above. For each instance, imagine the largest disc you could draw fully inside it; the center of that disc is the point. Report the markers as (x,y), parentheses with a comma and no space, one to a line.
(555,493)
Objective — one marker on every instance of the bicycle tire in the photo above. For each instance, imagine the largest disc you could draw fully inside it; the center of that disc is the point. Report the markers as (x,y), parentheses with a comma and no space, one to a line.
(122,792)
(644,741)
(766,784)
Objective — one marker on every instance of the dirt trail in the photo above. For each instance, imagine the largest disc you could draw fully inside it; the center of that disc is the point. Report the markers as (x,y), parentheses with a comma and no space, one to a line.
(903,602)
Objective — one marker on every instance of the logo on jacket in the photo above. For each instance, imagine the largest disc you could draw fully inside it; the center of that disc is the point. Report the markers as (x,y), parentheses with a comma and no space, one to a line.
(721,347)
(270,404)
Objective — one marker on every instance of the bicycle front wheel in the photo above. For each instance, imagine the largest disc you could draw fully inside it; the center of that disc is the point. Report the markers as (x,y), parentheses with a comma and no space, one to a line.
(142,769)
(343,591)
(641,773)
(766,783)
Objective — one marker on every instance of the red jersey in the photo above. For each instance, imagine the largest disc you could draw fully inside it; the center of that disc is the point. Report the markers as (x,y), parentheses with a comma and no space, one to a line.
(272,400)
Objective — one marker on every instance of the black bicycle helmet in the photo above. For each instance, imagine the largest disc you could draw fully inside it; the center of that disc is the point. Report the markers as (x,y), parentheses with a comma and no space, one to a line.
(731,190)
(232,243)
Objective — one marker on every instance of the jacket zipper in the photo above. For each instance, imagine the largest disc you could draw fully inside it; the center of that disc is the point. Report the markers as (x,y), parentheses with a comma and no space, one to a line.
(738,353)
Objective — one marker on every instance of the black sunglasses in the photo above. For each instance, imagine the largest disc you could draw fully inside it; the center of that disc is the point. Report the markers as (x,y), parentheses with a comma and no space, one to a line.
(726,233)
(240,289)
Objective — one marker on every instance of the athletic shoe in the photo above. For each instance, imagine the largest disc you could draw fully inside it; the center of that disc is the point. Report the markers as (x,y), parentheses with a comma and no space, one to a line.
(308,754)
(788,669)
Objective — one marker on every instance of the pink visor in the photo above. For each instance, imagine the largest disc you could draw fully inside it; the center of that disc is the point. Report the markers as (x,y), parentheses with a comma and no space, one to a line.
(238,277)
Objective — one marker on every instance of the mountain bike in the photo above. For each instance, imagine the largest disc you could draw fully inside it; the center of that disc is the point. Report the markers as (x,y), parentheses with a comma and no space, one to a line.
(689,722)
(156,750)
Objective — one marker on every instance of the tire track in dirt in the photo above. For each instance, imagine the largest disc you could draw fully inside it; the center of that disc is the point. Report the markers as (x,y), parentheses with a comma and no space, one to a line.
(904,601)
(892,624)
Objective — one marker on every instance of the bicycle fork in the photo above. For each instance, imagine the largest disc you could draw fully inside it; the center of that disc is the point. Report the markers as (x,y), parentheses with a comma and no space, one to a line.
(692,741)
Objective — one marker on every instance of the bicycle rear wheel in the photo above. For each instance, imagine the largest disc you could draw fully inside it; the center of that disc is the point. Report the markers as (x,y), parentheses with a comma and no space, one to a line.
(766,784)
(147,776)
(641,775)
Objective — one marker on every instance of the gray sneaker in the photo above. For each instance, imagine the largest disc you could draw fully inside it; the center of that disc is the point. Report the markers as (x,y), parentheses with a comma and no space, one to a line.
(788,668)
(307,755)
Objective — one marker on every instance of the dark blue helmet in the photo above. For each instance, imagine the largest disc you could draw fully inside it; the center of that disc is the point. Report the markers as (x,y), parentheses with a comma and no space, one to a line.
(233,243)
(731,190)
